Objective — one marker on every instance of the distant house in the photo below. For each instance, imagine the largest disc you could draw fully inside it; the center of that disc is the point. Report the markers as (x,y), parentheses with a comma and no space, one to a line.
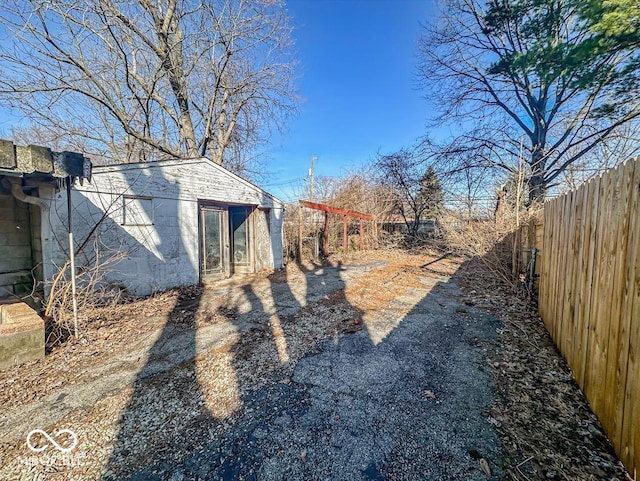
(397,223)
(158,225)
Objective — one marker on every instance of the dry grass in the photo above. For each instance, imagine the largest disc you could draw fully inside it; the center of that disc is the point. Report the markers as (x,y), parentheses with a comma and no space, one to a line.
(492,242)
(543,419)
(91,291)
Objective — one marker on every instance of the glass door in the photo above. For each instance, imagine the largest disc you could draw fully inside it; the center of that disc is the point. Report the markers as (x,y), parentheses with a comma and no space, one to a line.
(241,253)
(211,221)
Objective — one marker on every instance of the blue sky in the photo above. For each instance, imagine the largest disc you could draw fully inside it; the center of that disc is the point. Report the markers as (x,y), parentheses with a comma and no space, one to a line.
(358,82)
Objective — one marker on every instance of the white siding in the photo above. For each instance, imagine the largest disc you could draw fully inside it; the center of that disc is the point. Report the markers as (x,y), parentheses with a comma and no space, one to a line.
(162,250)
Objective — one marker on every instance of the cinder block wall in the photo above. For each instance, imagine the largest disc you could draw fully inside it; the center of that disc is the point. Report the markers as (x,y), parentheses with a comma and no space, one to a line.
(16,259)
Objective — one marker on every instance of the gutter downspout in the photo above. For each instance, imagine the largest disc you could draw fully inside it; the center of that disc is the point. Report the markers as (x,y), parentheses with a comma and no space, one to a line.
(18,193)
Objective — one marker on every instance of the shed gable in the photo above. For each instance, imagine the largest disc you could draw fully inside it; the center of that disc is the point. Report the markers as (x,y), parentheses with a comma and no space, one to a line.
(186,179)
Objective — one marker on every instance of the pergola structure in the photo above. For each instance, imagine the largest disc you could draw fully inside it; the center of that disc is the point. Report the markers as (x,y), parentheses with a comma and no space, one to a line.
(327,209)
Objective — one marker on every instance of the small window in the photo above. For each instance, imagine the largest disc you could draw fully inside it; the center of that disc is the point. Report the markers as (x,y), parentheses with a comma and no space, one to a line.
(137,211)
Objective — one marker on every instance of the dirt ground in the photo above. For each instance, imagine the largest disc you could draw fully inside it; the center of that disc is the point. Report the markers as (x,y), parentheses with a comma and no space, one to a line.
(373,367)
(542,418)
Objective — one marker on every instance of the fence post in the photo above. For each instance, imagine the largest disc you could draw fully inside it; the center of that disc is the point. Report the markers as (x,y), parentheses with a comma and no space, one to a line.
(300,234)
(344,234)
(325,235)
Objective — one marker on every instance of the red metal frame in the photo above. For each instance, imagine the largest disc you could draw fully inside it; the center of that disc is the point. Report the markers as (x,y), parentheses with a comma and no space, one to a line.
(335,210)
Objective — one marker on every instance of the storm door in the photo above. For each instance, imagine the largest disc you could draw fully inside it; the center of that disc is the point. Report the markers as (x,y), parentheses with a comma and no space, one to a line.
(213,245)
(241,246)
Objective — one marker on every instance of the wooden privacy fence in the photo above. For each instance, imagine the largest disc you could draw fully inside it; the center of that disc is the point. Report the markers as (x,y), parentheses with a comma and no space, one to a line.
(589,297)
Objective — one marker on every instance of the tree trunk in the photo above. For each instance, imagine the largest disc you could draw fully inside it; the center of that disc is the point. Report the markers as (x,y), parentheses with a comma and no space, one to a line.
(177,79)
(537,189)
(537,183)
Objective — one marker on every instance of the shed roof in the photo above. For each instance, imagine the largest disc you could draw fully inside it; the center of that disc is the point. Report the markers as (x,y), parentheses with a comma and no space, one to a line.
(181,162)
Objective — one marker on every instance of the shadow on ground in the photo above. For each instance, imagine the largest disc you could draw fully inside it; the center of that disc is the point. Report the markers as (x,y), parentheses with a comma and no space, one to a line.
(397,395)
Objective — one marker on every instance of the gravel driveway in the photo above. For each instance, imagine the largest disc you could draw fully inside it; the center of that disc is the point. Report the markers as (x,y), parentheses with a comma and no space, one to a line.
(371,371)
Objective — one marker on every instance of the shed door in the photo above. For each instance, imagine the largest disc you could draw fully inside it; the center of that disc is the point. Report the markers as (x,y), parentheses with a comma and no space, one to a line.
(241,233)
(212,238)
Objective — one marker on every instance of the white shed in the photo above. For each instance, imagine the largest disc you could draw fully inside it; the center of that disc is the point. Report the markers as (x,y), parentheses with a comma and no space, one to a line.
(169,223)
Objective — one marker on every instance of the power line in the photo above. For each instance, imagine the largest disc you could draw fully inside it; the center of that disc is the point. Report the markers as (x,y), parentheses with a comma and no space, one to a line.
(284,182)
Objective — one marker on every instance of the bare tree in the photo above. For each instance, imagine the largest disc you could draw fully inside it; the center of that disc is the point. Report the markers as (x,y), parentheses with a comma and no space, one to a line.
(526,80)
(622,145)
(413,187)
(360,191)
(144,79)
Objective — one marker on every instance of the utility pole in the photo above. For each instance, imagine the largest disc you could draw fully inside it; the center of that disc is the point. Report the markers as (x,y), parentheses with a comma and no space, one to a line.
(313,160)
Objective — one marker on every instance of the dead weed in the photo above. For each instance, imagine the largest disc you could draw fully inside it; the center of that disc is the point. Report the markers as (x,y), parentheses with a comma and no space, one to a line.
(542,417)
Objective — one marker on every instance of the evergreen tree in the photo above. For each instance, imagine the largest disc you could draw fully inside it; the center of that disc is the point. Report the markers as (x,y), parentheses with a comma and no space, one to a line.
(430,195)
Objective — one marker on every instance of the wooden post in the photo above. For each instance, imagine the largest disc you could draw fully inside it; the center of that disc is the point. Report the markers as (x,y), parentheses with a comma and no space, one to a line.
(300,234)
(325,235)
(374,226)
(344,234)
(335,210)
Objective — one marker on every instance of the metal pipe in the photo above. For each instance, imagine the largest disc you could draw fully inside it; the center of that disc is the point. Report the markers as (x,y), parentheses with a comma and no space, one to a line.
(18,193)
(72,260)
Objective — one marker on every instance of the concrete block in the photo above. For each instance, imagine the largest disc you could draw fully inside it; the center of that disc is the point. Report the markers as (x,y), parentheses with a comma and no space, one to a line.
(9,280)
(8,225)
(41,158)
(17,317)
(20,227)
(23,160)
(6,213)
(14,251)
(16,226)
(21,335)
(33,158)
(16,263)
(13,238)
(11,225)
(21,214)
(7,155)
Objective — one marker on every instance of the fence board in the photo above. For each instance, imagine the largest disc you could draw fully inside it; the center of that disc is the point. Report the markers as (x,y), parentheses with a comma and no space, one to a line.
(588,249)
(593,368)
(589,296)
(581,274)
(615,378)
(571,268)
(630,430)
(545,259)
(603,329)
